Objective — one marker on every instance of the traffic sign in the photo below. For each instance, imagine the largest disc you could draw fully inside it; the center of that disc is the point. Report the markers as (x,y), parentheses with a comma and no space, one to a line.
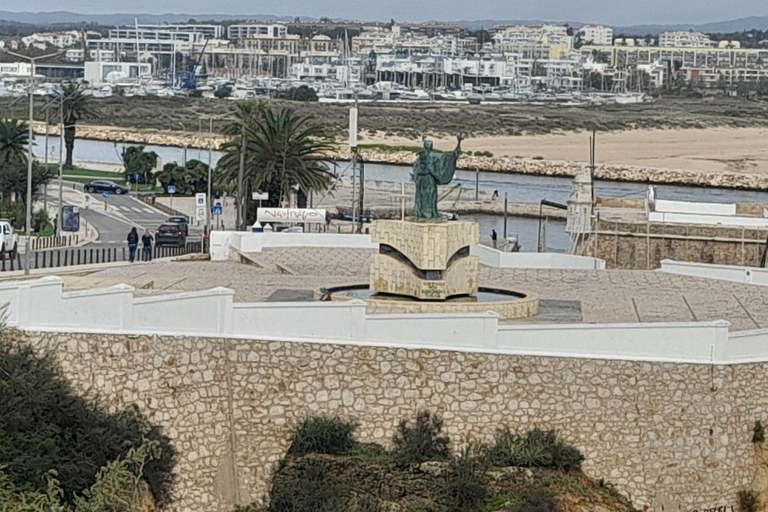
(217,209)
(136,177)
(105,194)
(260,196)
(171,189)
(200,200)
(200,213)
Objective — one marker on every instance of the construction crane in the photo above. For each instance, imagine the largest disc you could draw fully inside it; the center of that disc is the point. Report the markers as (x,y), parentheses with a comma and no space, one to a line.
(189,78)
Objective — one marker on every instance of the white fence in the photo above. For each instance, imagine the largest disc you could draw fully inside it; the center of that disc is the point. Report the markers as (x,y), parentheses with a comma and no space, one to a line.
(738,274)
(41,305)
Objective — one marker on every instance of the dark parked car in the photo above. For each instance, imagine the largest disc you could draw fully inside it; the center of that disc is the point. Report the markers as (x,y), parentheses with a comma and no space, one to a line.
(170,234)
(181,221)
(106,185)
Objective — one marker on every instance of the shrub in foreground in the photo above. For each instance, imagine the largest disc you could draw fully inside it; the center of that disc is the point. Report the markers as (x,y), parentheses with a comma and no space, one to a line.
(321,434)
(537,448)
(422,441)
(466,483)
(46,426)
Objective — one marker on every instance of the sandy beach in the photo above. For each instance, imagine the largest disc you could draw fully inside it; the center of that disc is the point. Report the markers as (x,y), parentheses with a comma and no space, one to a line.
(738,150)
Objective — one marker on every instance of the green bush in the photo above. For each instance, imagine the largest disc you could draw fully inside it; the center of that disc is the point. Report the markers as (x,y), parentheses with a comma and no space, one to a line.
(313,489)
(534,499)
(748,501)
(46,426)
(537,448)
(321,434)
(422,441)
(466,484)
(758,432)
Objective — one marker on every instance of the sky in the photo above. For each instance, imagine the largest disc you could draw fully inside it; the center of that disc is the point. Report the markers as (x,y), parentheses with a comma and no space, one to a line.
(613,12)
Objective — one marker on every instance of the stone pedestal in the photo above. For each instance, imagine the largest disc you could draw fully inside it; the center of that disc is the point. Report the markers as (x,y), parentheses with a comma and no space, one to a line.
(424,260)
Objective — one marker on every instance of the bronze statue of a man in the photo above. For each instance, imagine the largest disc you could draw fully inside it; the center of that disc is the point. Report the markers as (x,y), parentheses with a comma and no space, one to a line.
(430,170)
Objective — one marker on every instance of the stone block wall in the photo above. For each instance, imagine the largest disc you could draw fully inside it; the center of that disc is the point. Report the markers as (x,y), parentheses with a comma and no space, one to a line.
(678,434)
(642,245)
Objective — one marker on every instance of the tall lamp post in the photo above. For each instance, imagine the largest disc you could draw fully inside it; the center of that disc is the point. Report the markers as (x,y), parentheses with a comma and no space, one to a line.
(29,149)
(209,202)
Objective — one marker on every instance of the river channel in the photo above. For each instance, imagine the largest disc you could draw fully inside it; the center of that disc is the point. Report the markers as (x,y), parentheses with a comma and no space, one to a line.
(521,188)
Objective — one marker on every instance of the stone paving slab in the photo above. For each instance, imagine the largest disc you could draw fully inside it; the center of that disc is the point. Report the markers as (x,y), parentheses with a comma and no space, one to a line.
(604,295)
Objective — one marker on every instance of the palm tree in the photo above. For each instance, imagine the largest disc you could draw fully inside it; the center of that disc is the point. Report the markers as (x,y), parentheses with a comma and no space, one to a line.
(77,106)
(14,136)
(282,151)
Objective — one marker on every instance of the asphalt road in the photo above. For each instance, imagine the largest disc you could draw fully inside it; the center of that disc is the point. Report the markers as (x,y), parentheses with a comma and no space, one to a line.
(122,212)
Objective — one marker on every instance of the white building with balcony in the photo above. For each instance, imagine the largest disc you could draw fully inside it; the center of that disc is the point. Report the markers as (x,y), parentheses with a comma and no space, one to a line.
(255,30)
(596,34)
(680,39)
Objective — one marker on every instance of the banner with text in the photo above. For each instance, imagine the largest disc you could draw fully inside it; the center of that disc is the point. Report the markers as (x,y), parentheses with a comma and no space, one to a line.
(309,215)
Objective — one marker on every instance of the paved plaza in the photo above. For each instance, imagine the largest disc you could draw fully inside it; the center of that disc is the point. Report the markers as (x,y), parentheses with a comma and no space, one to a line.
(606,296)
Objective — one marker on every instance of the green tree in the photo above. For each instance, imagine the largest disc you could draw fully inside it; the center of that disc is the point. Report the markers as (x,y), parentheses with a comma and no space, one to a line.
(77,106)
(138,161)
(282,150)
(188,179)
(14,136)
(301,93)
(47,426)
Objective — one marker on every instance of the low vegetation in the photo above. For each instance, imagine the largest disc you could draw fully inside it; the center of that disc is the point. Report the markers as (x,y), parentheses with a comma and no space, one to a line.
(47,456)
(409,120)
(327,470)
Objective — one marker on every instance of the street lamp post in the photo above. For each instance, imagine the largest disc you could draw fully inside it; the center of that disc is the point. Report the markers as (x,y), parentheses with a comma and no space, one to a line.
(209,202)
(30,157)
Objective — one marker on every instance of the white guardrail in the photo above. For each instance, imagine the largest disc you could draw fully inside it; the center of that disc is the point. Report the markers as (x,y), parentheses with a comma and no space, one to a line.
(42,305)
(735,273)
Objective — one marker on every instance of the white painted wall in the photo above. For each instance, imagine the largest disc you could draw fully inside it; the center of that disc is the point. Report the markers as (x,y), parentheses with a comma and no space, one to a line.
(738,274)
(40,305)
(710,220)
(244,241)
(551,260)
(667,206)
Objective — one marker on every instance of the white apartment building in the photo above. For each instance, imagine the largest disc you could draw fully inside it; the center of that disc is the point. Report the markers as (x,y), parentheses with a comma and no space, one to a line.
(255,30)
(596,34)
(57,39)
(538,34)
(208,31)
(77,55)
(15,68)
(682,39)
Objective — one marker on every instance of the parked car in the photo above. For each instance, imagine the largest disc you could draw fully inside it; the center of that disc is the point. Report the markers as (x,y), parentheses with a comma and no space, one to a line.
(9,240)
(170,234)
(106,185)
(181,221)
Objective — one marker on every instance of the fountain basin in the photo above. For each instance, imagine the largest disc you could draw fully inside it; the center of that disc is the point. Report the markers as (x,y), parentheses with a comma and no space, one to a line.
(507,303)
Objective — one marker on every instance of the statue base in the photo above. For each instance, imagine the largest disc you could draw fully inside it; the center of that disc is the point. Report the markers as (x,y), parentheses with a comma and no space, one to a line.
(425,260)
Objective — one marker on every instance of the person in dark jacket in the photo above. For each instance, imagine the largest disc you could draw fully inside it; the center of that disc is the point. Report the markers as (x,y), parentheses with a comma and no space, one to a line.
(146,241)
(133,241)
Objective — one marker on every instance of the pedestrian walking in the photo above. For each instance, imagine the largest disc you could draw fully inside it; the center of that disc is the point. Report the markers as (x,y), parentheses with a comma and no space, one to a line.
(133,241)
(494,237)
(146,241)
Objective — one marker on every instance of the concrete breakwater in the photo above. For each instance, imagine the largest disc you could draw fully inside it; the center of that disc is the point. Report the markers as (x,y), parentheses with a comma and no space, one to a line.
(466,162)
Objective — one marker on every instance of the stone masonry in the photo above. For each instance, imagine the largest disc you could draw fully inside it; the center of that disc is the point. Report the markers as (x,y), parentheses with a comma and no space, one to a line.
(677,434)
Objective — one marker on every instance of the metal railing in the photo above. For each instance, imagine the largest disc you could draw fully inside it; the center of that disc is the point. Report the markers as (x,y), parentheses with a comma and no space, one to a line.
(54,258)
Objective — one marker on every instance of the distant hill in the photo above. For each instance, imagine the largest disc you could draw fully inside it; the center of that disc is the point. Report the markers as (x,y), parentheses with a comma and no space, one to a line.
(65,17)
(753,22)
